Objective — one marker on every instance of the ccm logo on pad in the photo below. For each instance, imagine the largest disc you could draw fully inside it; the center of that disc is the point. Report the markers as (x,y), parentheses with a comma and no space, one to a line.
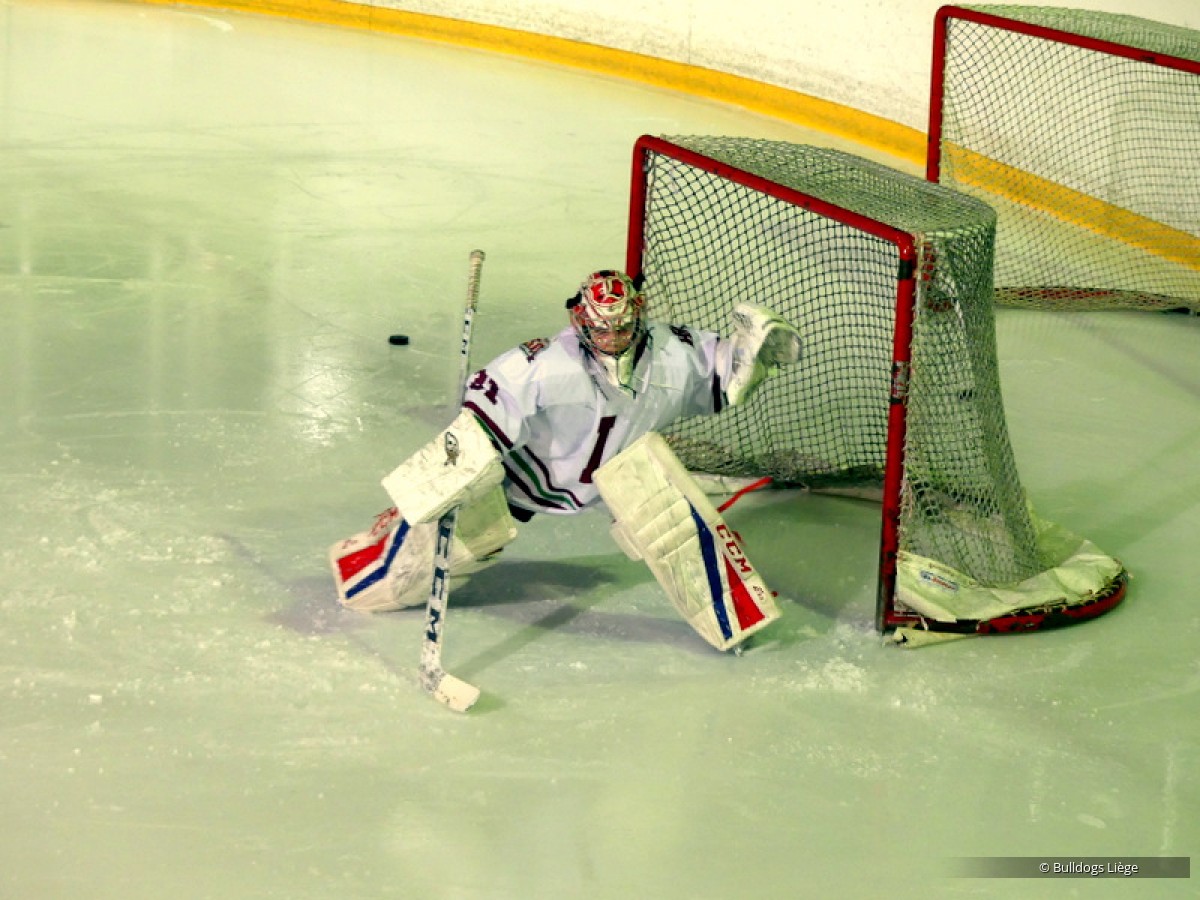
(733,549)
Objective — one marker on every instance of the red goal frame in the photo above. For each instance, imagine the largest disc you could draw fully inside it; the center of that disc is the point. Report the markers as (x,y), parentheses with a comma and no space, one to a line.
(886,614)
(889,614)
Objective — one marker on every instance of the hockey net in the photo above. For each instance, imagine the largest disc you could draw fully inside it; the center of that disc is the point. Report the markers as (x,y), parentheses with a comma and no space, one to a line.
(1082,128)
(889,279)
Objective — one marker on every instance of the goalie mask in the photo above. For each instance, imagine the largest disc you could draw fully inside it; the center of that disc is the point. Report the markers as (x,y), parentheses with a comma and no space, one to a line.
(607,313)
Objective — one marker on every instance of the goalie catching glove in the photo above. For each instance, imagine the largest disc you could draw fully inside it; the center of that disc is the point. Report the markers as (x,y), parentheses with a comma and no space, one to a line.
(664,518)
(762,342)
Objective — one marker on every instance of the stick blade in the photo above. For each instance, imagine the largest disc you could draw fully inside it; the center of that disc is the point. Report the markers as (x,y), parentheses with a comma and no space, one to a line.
(451,692)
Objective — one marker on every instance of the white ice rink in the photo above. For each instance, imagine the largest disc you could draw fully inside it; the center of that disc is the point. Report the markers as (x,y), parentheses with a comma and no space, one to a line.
(209,225)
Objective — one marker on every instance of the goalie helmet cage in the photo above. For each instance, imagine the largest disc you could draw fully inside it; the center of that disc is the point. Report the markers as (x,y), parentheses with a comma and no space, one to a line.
(1082,128)
(889,279)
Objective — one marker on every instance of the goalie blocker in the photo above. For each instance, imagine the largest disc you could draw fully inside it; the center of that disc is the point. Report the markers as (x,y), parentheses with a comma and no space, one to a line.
(662,517)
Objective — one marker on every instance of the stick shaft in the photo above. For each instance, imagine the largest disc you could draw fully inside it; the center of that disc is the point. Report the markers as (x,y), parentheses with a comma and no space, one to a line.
(474,274)
(453,692)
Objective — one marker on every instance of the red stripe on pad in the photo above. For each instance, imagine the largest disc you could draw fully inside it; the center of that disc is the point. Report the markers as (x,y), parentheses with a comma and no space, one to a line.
(353,563)
(747,611)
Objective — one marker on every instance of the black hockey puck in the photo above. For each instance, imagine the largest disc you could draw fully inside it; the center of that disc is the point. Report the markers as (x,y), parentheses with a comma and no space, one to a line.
(398,340)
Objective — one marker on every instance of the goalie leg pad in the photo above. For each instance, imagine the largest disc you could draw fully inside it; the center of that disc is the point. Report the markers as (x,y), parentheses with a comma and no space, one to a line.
(454,469)
(664,517)
(390,566)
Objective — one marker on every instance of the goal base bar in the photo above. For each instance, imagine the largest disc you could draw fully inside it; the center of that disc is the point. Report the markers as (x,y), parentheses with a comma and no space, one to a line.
(1083,299)
(913,630)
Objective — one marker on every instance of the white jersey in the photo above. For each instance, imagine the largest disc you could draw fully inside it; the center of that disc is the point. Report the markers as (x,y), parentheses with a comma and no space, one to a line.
(555,417)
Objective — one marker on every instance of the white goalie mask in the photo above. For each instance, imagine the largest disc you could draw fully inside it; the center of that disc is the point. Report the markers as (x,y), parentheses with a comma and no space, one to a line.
(607,313)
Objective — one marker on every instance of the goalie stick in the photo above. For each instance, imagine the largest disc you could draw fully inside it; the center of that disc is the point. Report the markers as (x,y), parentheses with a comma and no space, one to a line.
(446,688)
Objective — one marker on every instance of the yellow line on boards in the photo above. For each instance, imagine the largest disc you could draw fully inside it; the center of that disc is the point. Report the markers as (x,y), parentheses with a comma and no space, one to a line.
(776,102)
(1072,206)
(786,105)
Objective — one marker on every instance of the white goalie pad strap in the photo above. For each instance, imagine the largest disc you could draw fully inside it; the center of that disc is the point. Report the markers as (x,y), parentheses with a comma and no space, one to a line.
(390,566)
(762,343)
(664,518)
(453,469)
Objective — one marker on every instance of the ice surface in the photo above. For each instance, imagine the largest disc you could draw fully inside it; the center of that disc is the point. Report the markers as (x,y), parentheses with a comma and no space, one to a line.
(209,225)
